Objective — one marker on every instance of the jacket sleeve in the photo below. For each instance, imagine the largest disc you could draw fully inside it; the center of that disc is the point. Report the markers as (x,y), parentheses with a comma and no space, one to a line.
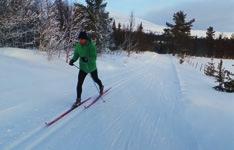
(76,54)
(94,51)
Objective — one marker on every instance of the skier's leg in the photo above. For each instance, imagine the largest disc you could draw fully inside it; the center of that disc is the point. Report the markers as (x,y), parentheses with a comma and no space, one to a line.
(81,78)
(94,76)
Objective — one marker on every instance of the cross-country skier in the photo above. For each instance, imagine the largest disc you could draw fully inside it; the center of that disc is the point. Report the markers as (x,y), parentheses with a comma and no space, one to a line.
(85,50)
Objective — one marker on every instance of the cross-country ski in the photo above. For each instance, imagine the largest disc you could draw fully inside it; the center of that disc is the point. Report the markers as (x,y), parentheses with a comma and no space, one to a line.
(97,98)
(65,113)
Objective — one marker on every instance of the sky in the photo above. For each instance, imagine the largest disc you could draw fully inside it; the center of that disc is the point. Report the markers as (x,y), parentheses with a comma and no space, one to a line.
(216,13)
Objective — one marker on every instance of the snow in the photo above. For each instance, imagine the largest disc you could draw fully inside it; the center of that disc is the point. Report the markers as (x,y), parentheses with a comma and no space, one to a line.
(227,63)
(148,26)
(154,103)
(210,112)
(158,29)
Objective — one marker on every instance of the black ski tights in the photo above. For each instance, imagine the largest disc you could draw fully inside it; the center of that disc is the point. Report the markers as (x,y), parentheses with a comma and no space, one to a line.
(81,78)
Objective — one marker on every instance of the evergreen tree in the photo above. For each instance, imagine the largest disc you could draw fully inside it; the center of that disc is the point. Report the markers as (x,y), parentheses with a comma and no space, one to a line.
(140,39)
(210,40)
(221,74)
(232,36)
(50,34)
(140,28)
(229,84)
(220,36)
(118,36)
(93,18)
(210,68)
(210,33)
(80,17)
(65,16)
(119,26)
(114,36)
(62,13)
(114,26)
(168,42)
(180,31)
(3,10)
(19,22)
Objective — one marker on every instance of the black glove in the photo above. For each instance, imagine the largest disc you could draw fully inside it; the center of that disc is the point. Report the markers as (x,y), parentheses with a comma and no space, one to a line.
(84,59)
(71,63)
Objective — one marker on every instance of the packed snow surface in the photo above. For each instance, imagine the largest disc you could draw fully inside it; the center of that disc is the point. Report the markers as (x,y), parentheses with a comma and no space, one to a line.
(154,104)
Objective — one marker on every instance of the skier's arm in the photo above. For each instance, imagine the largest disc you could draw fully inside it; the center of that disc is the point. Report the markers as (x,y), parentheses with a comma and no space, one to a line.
(75,57)
(94,50)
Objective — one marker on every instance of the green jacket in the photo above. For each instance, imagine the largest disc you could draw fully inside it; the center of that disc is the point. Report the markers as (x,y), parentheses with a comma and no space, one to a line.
(87,54)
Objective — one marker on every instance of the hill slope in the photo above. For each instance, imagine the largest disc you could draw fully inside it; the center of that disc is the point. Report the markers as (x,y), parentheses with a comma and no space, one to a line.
(152,27)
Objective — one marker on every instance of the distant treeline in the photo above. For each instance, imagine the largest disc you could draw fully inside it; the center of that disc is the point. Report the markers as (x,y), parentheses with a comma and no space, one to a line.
(53,26)
(176,39)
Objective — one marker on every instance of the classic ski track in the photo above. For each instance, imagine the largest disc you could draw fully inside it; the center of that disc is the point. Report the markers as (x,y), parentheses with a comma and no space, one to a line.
(124,71)
(141,113)
(154,126)
(161,116)
(114,123)
(180,83)
(37,132)
(46,135)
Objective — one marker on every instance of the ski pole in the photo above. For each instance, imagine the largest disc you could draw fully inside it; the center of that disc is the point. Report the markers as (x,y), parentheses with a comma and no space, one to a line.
(77,67)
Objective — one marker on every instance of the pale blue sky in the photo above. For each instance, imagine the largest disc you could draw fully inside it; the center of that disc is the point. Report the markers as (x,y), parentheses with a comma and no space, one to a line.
(216,13)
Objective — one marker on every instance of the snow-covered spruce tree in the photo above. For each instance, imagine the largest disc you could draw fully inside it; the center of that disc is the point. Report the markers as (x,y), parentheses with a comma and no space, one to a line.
(70,33)
(65,17)
(220,77)
(229,84)
(49,29)
(210,68)
(229,81)
(114,35)
(232,36)
(94,19)
(3,10)
(58,32)
(19,22)
(81,17)
(181,58)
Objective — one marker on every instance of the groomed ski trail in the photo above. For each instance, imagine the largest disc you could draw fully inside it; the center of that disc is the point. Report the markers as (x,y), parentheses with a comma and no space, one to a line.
(144,110)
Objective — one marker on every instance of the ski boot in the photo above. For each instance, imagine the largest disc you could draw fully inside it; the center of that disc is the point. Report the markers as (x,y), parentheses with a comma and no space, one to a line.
(77,103)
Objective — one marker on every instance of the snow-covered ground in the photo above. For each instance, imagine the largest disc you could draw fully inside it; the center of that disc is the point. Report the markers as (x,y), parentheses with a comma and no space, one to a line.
(158,29)
(155,103)
(228,64)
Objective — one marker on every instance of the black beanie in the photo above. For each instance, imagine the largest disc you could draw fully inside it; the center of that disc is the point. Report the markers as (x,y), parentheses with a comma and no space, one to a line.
(83,35)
